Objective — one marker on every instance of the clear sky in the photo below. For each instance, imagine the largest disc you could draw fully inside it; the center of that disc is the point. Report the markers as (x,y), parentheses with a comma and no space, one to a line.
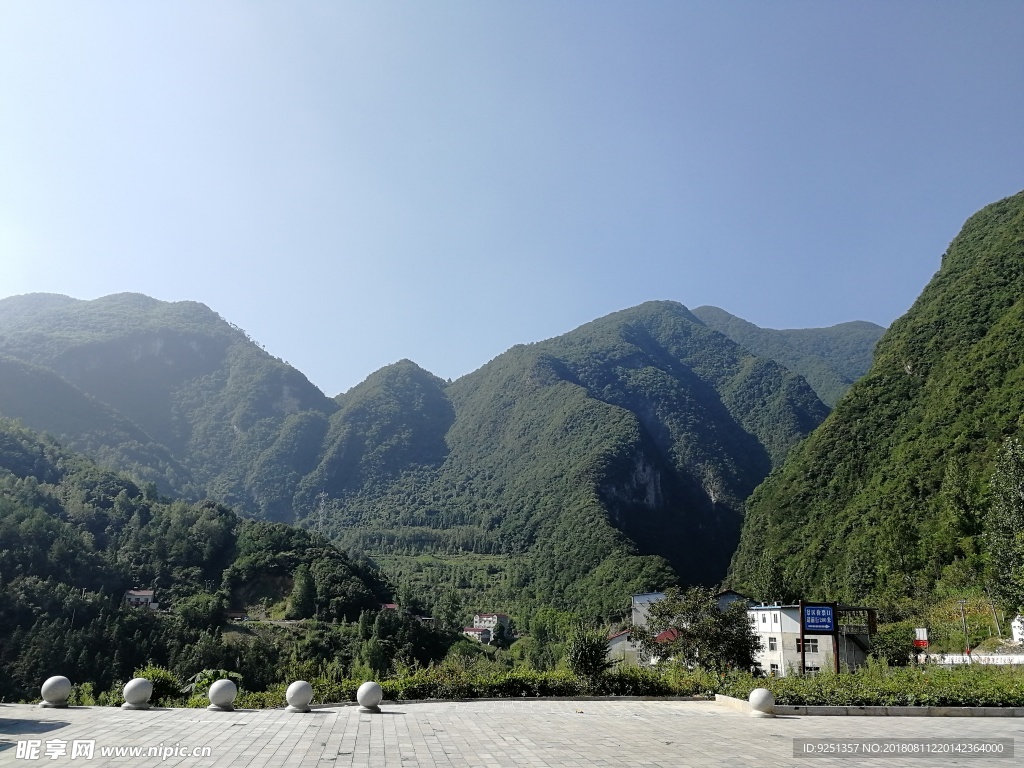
(358,182)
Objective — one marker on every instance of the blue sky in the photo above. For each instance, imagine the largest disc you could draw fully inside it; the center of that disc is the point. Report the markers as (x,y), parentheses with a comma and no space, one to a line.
(356,183)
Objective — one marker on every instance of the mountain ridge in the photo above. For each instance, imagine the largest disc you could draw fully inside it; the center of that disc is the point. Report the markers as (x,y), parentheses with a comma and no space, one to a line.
(830,359)
(621,431)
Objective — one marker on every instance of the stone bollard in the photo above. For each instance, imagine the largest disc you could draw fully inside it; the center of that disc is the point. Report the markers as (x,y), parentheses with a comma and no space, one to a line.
(369,696)
(136,693)
(222,696)
(762,703)
(298,696)
(55,692)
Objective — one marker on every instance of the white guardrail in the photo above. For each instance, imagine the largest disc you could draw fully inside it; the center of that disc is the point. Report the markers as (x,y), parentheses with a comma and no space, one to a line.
(974,658)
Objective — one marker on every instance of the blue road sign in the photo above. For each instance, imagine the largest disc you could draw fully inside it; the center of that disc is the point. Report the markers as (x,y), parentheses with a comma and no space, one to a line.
(819,618)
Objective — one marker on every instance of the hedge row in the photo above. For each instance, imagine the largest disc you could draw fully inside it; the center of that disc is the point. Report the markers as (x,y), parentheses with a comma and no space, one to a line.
(964,686)
(876,685)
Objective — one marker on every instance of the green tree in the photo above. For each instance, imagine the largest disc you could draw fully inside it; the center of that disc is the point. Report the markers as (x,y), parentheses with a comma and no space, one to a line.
(587,653)
(767,583)
(690,628)
(202,611)
(365,625)
(302,603)
(448,609)
(1005,525)
(894,643)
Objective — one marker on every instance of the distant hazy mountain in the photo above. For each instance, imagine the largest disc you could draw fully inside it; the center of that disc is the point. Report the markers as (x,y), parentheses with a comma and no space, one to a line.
(614,458)
(888,497)
(140,377)
(831,359)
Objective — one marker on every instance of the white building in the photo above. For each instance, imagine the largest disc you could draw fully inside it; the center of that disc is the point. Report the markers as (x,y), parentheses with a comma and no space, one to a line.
(781,654)
(141,598)
(480,634)
(620,648)
(641,606)
(490,621)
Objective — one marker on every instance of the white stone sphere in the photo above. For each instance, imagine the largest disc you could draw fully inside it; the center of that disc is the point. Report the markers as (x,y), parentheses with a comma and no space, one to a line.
(136,693)
(762,703)
(369,695)
(55,691)
(298,696)
(222,694)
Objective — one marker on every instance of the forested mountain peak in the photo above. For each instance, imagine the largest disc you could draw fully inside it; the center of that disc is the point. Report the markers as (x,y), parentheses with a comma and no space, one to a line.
(831,358)
(193,387)
(888,496)
(14,308)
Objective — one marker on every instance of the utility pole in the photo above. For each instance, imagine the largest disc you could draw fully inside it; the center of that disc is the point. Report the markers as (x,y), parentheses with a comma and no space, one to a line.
(995,619)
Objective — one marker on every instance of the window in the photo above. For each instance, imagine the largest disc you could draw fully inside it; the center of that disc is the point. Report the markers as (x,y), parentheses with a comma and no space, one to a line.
(812,670)
(775,618)
(773,669)
(772,645)
(810,645)
(764,617)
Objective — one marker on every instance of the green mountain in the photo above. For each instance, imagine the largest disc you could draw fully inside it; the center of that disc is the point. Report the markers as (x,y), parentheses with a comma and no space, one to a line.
(887,497)
(168,391)
(612,459)
(74,537)
(573,471)
(830,359)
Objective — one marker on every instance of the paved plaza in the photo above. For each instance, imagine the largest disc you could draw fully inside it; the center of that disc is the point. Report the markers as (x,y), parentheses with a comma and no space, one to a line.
(520,733)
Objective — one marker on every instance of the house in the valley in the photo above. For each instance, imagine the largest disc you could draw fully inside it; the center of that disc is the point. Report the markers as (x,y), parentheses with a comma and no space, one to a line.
(620,648)
(490,621)
(141,598)
(480,634)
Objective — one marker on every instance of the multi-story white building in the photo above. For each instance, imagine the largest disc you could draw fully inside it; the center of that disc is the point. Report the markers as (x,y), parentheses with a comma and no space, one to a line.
(490,621)
(642,604)
(782,652)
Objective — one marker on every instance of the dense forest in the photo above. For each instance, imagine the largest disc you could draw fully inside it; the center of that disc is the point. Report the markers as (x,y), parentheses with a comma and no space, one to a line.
(572,472)
(911,489)
(75,537)
(830,359)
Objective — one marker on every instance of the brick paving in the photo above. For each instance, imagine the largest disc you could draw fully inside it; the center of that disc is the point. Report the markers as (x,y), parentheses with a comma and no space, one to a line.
(493,734)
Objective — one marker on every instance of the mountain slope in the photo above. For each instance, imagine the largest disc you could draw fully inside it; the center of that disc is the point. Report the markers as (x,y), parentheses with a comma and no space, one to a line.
(830,359)
(592,461)
(187,386)
(76,536)
(886,497)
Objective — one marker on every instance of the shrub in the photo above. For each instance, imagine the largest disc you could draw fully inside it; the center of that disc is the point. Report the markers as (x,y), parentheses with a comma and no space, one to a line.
(894,643)
(82,696)
(166,685)
(587,653)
